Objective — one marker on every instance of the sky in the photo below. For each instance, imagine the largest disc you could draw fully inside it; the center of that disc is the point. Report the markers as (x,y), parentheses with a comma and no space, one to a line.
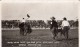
(39,11)
(39,0)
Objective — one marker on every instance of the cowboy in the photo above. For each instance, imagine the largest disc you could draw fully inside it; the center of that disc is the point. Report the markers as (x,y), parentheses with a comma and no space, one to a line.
(25,27)
(23,20)
(54,27)
(65,26)
(21,26)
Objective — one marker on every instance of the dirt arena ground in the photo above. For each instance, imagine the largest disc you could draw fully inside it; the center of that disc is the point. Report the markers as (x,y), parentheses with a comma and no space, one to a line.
(38,38)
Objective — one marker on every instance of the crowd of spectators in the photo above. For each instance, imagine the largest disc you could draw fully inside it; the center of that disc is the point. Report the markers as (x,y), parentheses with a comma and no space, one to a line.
(34,23)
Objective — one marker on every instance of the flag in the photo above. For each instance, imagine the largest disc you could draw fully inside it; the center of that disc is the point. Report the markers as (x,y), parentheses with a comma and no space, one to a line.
(28,16)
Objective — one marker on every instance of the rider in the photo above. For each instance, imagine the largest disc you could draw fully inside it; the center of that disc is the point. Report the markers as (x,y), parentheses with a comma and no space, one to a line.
(54,27)
(23,20)
(65,26)
(21,26)
(25,25)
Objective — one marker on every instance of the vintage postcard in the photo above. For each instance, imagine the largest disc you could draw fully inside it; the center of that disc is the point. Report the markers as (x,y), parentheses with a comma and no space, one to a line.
(40,24)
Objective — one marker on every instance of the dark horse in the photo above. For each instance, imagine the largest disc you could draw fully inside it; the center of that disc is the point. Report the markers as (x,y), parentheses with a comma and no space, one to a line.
(25,28)
(61,31)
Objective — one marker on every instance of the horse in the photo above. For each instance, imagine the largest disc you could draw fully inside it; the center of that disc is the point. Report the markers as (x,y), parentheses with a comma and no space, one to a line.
(61,31)
(65,31)
(25,28)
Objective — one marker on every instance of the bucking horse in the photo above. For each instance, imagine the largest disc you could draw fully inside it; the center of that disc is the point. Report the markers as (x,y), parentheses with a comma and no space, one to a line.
(25,28)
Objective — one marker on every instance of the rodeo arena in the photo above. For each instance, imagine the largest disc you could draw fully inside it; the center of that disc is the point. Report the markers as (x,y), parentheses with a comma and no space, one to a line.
(38,33)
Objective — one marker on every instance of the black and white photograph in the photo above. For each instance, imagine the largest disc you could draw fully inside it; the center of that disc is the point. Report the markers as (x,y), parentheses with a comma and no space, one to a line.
(39,24)
(40,0)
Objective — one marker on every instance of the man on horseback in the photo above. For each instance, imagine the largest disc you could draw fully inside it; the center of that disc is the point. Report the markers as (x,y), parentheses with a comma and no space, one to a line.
(65,27)
(24,26)
(54,27)
(23,20)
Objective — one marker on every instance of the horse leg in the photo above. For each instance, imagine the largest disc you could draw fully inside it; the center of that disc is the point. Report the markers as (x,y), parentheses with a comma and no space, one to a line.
(55,34)
(21,31)
(53,30)
(25,32)
(61,32)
